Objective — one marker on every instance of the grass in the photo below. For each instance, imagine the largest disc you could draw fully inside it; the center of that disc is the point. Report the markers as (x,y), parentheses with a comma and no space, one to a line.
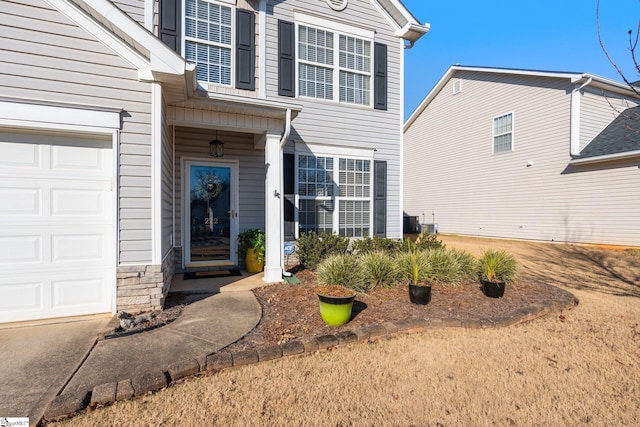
(580,367)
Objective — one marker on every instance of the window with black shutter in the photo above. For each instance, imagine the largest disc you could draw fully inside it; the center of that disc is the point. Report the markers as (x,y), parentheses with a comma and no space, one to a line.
(286,59)
(245,50)
(380,198)
(380,77)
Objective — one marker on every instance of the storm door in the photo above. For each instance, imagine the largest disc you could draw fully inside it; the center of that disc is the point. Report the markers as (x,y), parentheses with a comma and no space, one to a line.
(210,212)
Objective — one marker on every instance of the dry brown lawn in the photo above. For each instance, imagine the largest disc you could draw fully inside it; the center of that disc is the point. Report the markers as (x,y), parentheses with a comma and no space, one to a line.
(581,367)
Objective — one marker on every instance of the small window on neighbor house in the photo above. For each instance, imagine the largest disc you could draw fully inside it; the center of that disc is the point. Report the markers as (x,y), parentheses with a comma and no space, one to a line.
(503,133)
(457,86)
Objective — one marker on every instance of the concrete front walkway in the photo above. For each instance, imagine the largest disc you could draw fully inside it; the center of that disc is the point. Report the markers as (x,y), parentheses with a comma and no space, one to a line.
(38,360)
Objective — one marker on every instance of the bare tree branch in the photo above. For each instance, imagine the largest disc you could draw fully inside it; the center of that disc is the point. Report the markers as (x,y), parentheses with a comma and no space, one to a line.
(631,45)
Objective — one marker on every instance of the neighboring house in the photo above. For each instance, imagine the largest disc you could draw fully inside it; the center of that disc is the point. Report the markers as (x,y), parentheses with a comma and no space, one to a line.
(122,163)
(550,156)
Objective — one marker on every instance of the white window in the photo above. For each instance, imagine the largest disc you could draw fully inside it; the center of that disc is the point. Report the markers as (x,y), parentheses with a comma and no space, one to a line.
(503,133)
(334,202)
(315,66)
(326,72)
(208,40)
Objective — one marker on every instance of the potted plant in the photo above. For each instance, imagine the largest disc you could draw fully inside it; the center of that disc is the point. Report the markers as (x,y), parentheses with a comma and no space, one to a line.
(339,276)
(251,247)
(496,269)
(412,269)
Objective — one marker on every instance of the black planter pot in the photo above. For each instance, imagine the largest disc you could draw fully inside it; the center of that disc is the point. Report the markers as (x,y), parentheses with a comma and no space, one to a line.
(493,289)
(420,294)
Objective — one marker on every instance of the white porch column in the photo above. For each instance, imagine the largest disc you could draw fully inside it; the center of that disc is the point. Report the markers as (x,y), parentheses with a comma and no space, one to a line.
(273,213)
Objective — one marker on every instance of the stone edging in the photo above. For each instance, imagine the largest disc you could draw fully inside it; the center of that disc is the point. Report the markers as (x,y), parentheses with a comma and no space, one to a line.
(68,404)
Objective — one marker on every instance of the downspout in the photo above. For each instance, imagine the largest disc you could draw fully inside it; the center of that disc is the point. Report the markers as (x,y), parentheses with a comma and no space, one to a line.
(575,118)
(283,141)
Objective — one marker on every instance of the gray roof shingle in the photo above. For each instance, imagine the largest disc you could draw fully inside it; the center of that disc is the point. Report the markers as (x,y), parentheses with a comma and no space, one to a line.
(620,136)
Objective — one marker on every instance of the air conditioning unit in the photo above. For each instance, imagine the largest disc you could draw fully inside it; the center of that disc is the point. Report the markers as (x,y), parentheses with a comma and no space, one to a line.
(411,225)
(429,228)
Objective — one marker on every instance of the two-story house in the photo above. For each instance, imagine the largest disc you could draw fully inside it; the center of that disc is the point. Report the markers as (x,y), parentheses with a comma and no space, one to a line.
(139,137)
(526,154)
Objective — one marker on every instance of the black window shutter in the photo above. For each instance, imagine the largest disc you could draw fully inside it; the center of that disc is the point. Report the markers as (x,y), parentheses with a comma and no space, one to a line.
(288,170)
(380,77)
(245,50)
(286,59)
(170,23)
(380,198)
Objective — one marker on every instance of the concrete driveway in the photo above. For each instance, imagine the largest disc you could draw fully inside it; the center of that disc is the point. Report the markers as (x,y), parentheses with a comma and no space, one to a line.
(36,362)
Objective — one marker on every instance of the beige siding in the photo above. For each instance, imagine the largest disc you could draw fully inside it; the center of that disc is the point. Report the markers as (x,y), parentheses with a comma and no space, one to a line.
(133,8)
(597,110)
(193,144)
(323,122)
(450,168)
(44,56)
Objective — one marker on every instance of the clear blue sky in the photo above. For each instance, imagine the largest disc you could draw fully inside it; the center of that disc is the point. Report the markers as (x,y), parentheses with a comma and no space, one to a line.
(554,35)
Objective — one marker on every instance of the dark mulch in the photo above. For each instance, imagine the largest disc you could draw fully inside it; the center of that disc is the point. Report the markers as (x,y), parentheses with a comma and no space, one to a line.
(291,311)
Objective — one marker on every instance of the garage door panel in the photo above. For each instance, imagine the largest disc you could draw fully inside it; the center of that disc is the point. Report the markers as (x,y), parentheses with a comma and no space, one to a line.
(20,201)
(79,158)
(21,249)
(85,291)
(78,248)
(21,297)
(16,155)
(73,202)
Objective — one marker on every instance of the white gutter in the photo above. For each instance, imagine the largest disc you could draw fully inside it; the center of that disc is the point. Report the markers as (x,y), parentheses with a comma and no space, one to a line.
(575,117)
(283,141)
(606,158)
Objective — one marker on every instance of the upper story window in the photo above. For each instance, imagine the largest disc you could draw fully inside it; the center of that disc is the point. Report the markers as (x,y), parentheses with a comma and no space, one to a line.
(208,41)
(334,66)
(355,70)
(503,133)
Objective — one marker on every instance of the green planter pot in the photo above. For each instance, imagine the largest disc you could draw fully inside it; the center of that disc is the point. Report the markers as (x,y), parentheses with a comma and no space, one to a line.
(336,311)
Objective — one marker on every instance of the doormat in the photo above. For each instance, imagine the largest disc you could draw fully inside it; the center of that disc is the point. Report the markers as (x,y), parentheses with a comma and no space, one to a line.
(211,274)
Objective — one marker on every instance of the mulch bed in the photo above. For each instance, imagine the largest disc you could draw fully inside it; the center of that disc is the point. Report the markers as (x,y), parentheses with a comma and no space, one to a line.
(291,311)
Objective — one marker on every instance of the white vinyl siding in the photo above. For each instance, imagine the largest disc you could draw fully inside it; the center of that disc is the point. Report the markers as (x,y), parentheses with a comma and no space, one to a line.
(503,133)
(45,56)
(546,201)
(133,8)
(208,40)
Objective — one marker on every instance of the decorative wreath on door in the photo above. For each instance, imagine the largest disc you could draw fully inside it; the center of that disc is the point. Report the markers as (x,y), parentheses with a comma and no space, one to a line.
(209,187)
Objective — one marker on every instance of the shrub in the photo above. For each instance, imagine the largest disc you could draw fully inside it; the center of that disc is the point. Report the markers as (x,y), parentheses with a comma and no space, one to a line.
(423,242)
(343,270)
(497,266)
(442,266)
(313,248)
(379,269)
(412,266)
(376,243)
(467,264)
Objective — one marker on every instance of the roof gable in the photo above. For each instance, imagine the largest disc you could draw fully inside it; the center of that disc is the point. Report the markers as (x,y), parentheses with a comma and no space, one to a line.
(572,77)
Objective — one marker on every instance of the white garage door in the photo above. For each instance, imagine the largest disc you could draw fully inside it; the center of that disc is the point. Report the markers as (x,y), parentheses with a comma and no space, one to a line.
(57,252)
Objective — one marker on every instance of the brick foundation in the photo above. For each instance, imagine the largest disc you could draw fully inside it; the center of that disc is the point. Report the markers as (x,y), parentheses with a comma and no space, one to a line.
(144,287)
